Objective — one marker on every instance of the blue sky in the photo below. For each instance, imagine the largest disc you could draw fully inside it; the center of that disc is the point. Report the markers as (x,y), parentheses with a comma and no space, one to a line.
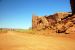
(18,13)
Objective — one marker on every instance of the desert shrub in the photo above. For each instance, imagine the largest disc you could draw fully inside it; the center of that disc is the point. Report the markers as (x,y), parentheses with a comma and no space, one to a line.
(3,31)
(25,31)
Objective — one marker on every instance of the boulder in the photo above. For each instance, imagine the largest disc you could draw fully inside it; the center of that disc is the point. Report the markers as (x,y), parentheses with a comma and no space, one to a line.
(68,24)
(60,28)
(40,26)
(71,30)
(44,21)
(39,22)
(61,15)
(73,20)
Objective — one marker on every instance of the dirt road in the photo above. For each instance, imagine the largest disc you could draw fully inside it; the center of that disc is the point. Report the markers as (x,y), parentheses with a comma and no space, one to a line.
(18,41)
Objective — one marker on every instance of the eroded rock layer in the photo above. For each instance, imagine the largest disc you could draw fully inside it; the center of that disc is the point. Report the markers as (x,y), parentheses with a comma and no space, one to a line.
(59,22)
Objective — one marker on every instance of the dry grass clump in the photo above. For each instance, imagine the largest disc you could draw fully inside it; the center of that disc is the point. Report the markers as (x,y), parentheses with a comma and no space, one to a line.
(25,31)
(3,31)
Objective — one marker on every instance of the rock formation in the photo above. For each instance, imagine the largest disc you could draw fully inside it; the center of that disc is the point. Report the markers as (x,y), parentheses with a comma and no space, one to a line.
(72,2)
(71,30)
(62,22)
(43,22)
(59,22)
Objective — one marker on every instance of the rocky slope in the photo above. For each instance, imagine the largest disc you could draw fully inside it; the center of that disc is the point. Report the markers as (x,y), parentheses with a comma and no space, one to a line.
(62,22)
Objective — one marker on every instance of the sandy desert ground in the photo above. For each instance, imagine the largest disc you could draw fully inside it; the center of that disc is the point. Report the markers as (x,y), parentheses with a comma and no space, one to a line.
(19,41)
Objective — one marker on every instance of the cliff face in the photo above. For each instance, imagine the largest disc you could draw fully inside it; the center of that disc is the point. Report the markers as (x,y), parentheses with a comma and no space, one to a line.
(72,3)
(59,22)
